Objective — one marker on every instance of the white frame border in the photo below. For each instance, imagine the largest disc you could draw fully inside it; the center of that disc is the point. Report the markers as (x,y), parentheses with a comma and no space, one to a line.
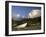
(29,31)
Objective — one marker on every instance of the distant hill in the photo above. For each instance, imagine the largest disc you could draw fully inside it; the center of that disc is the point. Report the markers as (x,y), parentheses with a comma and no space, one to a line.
(32,24)
(29,21)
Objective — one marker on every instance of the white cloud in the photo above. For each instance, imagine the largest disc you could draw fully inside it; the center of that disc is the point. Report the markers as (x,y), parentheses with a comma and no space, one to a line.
(18,15)
(34,13)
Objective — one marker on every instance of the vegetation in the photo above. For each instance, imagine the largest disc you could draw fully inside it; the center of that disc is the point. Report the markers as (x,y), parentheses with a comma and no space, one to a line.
(32,24)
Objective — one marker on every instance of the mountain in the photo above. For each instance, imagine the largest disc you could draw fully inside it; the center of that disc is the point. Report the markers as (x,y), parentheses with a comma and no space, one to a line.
(32,24)
(27,20)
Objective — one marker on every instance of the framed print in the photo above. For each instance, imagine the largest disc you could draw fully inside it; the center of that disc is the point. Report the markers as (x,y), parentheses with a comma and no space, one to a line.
(24,18)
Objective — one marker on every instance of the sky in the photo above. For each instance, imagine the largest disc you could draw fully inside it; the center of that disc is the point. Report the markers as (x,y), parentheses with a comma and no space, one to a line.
(22,11)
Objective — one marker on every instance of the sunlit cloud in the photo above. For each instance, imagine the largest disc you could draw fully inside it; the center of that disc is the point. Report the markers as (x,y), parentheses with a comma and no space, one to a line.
(17,15)
(34,13)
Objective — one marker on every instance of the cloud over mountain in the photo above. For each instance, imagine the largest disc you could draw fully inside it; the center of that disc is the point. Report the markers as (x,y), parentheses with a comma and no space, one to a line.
(34,13)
